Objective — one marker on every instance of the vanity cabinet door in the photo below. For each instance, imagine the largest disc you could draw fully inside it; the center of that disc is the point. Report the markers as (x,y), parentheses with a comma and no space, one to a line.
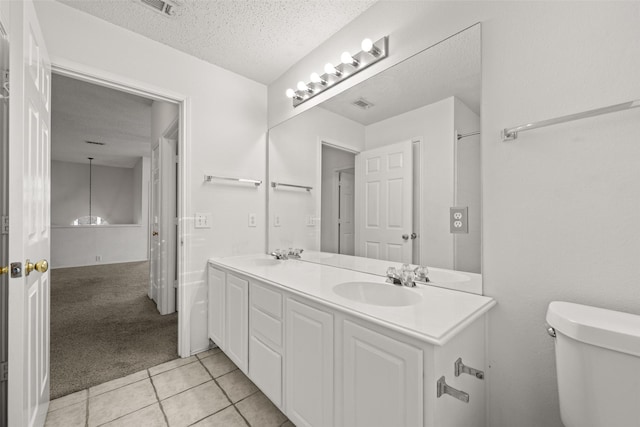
(382,380)
(308,365)
(237,321)
(216,284)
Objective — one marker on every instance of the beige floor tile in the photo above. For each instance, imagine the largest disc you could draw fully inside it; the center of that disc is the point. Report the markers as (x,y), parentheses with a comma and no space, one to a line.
(259,411)
(117,383)
(208,353)
(236,385)
(218,364)
(194,404)
(176,363)
(68,400)
(288,424)
(122,401)
(180,379)
(151,416)
(226,418)
(74,415)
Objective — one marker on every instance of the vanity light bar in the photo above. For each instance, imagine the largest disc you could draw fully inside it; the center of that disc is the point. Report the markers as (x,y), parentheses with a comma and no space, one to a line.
(351,64)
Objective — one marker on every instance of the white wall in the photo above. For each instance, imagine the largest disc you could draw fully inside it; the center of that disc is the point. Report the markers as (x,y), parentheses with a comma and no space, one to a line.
(112,193)
(559,204)
(294,158)
(226,133)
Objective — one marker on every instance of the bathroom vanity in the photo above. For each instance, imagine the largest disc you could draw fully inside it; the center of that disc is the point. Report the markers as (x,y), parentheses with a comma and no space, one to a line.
(331,346)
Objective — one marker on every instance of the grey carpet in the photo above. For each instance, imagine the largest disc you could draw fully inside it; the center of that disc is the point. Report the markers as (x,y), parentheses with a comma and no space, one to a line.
(103,326)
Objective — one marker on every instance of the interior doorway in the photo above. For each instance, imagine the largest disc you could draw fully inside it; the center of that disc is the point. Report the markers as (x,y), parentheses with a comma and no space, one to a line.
(114,254)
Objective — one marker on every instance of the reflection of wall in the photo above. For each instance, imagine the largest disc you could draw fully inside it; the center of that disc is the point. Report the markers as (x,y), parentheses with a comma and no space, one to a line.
(332,160)
(111,193)
(294,159)
(126,188)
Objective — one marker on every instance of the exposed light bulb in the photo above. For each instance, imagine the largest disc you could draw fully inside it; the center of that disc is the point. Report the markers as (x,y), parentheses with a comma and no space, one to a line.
(330,69)
(303,86)
(347,59)
(290,93)
(367,46)
(315,78)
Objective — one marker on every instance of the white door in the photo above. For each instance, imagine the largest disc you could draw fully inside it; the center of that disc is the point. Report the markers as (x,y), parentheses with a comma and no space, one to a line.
(163,227)
(384,202)
(382,381)
(29,182)
(308,365)
(346,207)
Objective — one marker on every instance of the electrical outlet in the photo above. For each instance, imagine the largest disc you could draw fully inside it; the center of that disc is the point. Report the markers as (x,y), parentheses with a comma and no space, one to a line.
(253,221)
(276,220)
(458,220)
(310,221)
(98,257)
(203,220)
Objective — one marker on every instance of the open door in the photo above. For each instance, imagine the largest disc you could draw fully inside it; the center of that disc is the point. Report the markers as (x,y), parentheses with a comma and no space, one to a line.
(29,229)
(384,202)
(163,225)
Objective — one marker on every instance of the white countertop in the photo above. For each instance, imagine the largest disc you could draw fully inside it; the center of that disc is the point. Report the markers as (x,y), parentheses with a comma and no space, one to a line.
(439,315)
(450,279)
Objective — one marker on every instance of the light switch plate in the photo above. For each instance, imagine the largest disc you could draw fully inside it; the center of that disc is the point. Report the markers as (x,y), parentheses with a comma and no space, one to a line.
(203,220)
(276,220)
(459,220)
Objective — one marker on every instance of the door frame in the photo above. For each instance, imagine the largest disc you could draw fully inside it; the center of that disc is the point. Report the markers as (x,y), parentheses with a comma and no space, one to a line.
(335,196)
(118,82)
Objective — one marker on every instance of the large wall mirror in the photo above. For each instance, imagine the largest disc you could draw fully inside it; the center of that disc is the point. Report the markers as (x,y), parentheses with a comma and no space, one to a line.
(374,171)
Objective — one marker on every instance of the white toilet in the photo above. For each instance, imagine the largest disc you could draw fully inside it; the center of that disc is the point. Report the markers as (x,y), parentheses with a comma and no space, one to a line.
(598,365)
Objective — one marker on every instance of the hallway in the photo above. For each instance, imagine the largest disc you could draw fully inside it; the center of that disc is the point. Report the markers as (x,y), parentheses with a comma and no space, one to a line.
(103,326)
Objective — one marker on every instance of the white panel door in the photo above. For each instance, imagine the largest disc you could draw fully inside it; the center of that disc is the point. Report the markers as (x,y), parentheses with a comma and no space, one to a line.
(384,202)
(216,302)
(236,333)
(346,213)
(382,381)
(163,228)
(29,229)
(308,365)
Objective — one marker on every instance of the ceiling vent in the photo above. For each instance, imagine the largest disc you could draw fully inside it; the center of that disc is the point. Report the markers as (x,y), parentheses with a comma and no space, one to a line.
(96,143)
(362,103)
(164,8)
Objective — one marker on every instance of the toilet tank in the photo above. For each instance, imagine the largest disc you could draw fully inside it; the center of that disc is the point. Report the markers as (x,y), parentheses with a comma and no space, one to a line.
(598,365)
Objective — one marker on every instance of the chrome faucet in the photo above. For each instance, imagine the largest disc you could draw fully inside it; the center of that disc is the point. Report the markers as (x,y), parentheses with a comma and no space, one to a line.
(405,276)
(286,254)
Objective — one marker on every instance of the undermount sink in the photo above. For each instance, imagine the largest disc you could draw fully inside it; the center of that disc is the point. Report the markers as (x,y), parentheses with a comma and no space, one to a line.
(382,294)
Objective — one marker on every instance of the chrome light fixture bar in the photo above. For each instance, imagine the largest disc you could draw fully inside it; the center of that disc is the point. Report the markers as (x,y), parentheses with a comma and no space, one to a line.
(351,64)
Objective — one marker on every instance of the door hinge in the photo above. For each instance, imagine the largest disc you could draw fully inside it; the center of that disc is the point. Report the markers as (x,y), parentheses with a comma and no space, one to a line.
(4,371)
(5,224)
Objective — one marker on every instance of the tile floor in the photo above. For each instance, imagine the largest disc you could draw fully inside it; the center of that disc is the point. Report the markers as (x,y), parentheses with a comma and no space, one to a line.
(206,390)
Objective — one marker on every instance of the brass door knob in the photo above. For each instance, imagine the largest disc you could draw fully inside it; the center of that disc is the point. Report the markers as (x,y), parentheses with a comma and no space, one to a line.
(4,270)
(42,266)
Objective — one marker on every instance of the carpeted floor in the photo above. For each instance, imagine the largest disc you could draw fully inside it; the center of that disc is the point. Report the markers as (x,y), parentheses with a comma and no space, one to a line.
(103,326)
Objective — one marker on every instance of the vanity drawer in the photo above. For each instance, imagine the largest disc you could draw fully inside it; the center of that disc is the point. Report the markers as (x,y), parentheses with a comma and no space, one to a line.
(267,300)
(265,326)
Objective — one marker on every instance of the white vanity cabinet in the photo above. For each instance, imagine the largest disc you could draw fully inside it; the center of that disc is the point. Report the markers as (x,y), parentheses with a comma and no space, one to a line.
(324,364)
(228,306)
(382,381)
(309,364)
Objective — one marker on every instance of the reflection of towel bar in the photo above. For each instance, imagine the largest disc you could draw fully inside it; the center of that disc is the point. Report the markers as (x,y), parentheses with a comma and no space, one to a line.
(511,134)
(209,178)
(280,184)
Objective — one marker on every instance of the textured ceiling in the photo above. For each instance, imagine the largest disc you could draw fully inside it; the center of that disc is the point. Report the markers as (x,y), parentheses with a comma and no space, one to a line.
(82,111)
(259,39)
(450,68)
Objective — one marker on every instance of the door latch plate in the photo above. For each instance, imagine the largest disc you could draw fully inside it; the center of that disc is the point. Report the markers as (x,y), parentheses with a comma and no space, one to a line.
(16,270)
